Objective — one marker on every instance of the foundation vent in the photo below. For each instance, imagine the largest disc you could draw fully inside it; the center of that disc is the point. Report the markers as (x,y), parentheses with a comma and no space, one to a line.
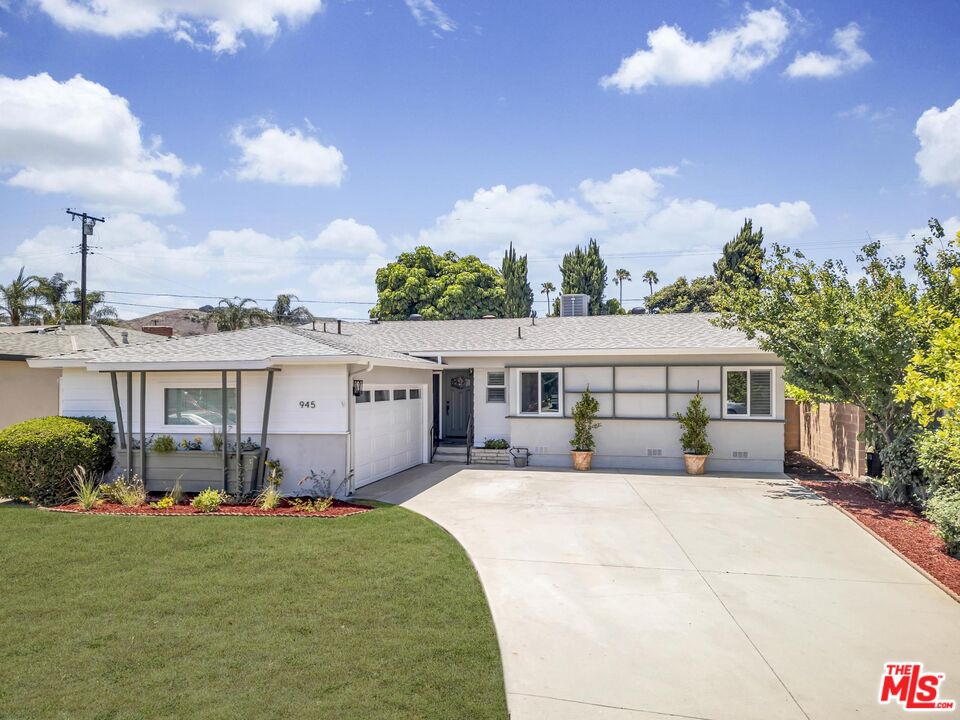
(654,452)
(740,454)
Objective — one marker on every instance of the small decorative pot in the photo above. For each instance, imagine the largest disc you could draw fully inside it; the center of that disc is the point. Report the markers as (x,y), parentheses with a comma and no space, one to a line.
(582,460)
(694,464)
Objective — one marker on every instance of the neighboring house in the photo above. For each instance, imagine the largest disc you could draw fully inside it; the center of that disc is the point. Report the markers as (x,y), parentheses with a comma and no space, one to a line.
(27,393)
(448,381)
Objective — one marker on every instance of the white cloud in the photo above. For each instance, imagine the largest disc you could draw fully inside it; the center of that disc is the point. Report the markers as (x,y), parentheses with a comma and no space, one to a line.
(287,157)
(632,194)
(865,111)
(217,25)
(348,237)
(427,12)
(79,139)
(674,59)
(939,156)
(848,58)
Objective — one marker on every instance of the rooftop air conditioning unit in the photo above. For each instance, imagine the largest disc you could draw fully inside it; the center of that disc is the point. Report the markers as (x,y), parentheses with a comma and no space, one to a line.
(574,305)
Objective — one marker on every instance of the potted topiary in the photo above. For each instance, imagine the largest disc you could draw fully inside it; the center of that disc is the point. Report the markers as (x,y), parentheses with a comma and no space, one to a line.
(694,441)
(584,423)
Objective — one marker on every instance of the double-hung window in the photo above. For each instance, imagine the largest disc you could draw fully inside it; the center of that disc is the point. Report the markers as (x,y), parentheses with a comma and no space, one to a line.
(748,393)
(496,386)
(539,392)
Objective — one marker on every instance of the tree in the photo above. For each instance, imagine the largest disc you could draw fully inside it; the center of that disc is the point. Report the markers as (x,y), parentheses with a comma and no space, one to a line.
(518,295)
(546,289)
(613,307)
(96,308)
(237,314)
(285,314)
(842,339)
(584,271)
(620,276)
(683,297)
(54,293)
(18,298)
(438,287)
(651,278)
(743,255)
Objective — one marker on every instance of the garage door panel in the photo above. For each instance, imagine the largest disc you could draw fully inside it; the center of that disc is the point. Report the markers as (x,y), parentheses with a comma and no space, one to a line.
(389,436)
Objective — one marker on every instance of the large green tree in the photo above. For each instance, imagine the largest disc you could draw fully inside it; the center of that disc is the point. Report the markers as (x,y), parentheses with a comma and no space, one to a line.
(236,314)
(682,296)
(584,271)
(438,287)
(54,294)
(284,313)
(742,256)
(518,295)
(545,289)
(19,298)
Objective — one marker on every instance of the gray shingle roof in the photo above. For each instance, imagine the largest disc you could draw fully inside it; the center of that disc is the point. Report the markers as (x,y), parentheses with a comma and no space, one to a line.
(608,332)
(53,340)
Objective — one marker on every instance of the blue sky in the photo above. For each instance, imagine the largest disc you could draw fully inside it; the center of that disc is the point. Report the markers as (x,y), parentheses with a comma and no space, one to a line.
(296,145)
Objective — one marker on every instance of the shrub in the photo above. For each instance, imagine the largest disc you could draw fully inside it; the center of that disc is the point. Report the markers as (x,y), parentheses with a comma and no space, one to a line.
(938,453)
(164,503)
(37,457)
(269,498)
(86,488)
(127,492)
(943,510)
(163,444)
(694,423)
(102,430)
(584,422)
(496,444)
(195,444)
(209,500)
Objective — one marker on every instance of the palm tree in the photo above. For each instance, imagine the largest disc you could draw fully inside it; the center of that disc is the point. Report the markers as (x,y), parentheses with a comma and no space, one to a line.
(650,277)
(18,298)
(53,292)
(285,314)
(235,315)
(620,276)
(546,289)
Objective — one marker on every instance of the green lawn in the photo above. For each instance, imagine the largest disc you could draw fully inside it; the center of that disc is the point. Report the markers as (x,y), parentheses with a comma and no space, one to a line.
(378,615)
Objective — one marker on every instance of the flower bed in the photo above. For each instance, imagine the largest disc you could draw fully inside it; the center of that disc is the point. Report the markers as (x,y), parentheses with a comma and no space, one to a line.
(337,509)
(899,526)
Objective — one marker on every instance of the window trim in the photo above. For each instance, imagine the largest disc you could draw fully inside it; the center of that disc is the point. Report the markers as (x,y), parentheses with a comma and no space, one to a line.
(502,386)
(196,385)
(539,372)
(749,369)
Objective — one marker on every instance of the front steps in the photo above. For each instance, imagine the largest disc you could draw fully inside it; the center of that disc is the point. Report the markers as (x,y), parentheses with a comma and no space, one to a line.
(451,454)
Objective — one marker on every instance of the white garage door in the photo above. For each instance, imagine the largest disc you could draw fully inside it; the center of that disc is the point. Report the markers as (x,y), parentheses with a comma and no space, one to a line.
(389,432)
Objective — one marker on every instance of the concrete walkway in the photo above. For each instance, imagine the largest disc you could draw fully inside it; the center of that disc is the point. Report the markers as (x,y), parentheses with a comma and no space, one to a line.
(644,597)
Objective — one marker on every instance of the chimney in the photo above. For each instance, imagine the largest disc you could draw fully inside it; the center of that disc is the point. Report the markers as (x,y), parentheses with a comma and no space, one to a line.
(161,330)
(124,337)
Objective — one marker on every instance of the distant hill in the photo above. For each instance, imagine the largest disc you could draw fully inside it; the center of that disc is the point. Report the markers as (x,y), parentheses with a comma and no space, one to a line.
(179,320)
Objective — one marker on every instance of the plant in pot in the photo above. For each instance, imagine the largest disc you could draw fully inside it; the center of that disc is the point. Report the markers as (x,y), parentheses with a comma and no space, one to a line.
(584,423)
(693,440)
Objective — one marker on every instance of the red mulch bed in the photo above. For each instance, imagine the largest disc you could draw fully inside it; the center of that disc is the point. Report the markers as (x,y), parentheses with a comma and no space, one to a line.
(338,509)
(902,526)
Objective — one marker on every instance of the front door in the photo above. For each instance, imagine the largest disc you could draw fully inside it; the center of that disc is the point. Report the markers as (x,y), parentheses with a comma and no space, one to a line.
(457,402)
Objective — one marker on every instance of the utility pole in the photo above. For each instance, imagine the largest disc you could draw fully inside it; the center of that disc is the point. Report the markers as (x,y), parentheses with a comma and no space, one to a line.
(86,229)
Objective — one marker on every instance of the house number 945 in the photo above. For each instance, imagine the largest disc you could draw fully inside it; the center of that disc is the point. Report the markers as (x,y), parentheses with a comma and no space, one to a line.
(311,404)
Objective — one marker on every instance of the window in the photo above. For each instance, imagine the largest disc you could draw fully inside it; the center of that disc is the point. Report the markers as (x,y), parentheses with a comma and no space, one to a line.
(381,395)
(749,393)
(198,406)
(364,397)
(496,387)
(399,394)
(539,392)
(414,394)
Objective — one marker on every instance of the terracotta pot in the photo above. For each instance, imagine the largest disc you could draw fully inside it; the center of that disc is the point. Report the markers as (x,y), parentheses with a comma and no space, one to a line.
(695,464)
(582,460)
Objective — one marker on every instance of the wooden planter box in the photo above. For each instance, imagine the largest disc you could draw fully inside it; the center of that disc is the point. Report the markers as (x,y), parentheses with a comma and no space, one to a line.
(196,469)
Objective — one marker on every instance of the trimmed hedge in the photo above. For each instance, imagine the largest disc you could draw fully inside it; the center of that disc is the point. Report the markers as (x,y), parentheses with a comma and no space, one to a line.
(943,510)
(37,457)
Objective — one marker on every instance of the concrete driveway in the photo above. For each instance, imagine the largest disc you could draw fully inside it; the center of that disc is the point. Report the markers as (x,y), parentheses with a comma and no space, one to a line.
(650,596)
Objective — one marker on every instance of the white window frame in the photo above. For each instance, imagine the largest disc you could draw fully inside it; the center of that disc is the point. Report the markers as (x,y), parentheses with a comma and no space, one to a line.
(502,387)
(165,385)
(749,369)
(519,391)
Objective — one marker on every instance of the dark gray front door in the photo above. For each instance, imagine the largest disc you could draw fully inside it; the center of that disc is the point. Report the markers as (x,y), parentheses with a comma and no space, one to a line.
(457,402)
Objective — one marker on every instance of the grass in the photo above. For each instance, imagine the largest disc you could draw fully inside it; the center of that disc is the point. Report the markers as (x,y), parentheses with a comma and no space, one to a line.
(379,615)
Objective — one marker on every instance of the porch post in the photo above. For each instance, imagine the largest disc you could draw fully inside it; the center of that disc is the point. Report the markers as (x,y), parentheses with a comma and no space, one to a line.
(223,434)
(117,410)
(129,425)
(262,456)
(239,440)
(143,427)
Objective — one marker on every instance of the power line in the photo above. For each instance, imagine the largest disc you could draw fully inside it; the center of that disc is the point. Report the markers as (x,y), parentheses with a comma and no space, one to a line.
(87,223)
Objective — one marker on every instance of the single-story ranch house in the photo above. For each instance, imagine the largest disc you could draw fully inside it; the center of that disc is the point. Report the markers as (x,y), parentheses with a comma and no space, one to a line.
(361,401)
